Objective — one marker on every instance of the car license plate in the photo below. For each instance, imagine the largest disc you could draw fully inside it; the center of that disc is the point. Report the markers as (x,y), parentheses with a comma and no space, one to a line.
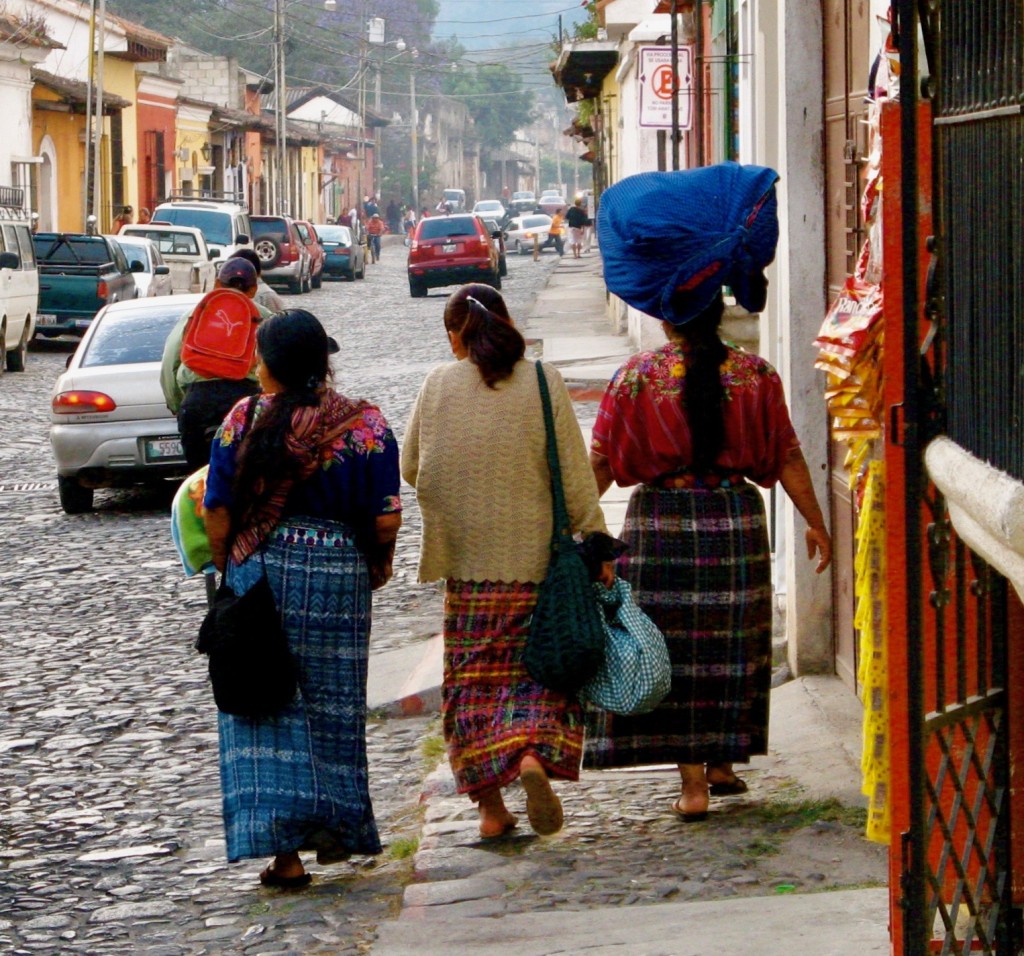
(448,247)
(46,318)
(164,448)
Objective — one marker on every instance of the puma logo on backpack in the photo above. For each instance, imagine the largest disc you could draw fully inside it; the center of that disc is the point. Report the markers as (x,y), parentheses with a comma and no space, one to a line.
(220,337)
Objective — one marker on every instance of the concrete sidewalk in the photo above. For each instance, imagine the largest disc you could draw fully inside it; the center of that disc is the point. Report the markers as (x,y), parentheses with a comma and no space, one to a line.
(815,736)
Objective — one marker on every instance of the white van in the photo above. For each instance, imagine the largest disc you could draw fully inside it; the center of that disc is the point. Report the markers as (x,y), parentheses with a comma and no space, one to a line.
(224,223)
(19,288)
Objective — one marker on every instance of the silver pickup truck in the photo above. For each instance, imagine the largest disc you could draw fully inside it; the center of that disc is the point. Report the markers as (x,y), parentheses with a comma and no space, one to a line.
(184,249)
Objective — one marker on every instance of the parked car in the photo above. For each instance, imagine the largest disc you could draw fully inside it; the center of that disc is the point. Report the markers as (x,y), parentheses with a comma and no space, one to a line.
(498,235)
(522,230)
(490,209)
(311,240)
(343,256)
(19,293)
(284,259)
(449,249)
(78,275)
(225,224)
(185,251)
(109,424)
(152,275)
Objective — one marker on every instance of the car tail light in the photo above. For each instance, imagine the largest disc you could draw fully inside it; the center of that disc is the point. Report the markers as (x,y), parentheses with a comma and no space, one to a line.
(288,253)
(485,242)
(101,289)
(77,402)
(414,246)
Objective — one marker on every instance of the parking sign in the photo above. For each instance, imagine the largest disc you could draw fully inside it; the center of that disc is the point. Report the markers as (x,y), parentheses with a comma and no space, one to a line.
(657,86)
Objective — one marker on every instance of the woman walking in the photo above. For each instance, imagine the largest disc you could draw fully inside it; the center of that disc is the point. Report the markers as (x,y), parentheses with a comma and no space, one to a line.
(303,486)
(695,425)
(475,450)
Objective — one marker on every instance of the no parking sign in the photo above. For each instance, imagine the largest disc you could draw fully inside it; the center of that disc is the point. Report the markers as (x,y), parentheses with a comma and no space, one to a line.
(657,85)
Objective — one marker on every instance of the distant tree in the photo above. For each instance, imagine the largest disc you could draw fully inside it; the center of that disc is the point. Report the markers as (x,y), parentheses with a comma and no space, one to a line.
(496,100)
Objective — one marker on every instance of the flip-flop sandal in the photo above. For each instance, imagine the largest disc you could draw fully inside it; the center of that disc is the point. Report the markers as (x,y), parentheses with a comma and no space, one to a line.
(728,788)
(543,808)
(270,877)
(688,817)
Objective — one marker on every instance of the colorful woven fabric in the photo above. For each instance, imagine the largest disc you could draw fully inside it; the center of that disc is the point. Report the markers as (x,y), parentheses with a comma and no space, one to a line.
(492,711)
(298,781)
(188,527)
(699,566)
(873,670)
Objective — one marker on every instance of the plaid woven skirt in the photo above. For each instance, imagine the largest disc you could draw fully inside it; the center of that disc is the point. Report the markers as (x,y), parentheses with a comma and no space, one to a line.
(699,566)
(298,780)
(493,712)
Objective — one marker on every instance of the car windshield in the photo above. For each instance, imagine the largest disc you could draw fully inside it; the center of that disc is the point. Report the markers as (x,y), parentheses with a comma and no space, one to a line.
(441,228)
(490,204)
(270,226)
(130,336)
(171,243)
(214,225)
(334,235)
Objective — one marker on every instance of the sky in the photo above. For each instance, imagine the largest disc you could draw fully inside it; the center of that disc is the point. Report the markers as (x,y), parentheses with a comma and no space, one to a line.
(482,24)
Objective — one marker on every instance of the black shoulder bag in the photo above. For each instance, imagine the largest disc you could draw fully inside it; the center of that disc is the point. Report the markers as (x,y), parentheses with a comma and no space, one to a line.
(251,669)
(565,644)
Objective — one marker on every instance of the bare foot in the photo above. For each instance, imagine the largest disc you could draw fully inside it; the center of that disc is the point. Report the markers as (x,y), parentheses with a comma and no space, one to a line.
(495,820)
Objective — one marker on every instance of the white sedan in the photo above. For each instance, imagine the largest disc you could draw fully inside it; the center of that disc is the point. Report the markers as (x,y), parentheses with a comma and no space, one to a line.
(152,275)
(490,209)
(522,230)
(109,424)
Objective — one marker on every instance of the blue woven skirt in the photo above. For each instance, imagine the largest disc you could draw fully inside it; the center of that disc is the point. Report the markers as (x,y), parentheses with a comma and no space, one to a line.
(699,566)
(298,780)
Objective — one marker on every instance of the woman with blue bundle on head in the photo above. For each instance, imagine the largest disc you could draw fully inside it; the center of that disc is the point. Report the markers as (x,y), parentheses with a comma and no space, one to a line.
(695,426)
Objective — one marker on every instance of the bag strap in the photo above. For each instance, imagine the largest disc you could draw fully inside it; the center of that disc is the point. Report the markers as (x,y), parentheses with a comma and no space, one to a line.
(561,532)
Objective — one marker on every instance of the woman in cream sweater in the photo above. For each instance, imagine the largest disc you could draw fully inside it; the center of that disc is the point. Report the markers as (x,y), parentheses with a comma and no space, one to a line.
(475,452)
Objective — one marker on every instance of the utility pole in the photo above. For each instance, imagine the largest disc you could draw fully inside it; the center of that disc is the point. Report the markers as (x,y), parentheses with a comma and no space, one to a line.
(281,117)
(675,84)
(415,142)
(558,149)
(97,181)
(89,114)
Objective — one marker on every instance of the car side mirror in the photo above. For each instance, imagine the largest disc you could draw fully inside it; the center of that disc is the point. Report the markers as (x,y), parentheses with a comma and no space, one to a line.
(212,254)
(9,260)
(137,266)
(162,271)
(242,239)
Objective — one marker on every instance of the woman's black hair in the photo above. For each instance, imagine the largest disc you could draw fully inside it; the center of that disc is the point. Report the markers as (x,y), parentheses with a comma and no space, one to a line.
(479,314)
(703,392)
(294,348)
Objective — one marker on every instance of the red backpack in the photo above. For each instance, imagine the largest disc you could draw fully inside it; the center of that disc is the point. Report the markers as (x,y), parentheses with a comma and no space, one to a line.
(220,337)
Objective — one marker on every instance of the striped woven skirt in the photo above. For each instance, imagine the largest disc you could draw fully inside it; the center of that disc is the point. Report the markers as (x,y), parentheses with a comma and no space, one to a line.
(492,711)
(298,780)
(699,566)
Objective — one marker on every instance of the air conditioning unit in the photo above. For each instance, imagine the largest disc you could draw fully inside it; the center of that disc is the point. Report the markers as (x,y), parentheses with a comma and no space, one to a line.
(183,154)
(185,174)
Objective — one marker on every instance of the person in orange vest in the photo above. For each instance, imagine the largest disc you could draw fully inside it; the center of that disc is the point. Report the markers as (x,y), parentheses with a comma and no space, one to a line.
(555,233)
(375,228)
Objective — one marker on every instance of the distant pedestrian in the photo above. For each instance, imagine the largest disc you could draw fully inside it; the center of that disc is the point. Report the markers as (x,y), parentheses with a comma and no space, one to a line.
(576,219)
(475,450)
(394,218)
(409,223)
(370,207)
(555,233)
(125,218)
(144,216)
(303,489)
(375,228)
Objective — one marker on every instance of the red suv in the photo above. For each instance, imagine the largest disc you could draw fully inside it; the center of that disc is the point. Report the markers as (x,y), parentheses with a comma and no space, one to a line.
(449,249)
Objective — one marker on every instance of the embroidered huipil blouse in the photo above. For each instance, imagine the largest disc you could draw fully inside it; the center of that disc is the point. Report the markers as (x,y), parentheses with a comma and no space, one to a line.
(641,427)
(357,479)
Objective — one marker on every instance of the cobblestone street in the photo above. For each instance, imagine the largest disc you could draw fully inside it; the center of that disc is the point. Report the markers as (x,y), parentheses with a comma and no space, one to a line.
(110,830)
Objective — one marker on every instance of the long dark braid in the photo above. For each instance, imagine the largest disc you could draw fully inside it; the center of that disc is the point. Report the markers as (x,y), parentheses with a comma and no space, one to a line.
(703,393)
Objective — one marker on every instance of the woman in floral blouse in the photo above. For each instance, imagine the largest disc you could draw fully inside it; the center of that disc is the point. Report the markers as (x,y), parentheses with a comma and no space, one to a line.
(303,486)
(695,425)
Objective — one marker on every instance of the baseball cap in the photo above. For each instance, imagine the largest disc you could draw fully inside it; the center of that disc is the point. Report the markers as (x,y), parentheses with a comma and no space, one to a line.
(238,274)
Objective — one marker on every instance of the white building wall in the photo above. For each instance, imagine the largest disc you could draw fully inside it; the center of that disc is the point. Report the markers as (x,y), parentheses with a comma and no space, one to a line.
(16,108)
(67,22)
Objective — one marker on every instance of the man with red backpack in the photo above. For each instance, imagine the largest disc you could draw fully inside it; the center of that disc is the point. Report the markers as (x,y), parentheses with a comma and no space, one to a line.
(202,395)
